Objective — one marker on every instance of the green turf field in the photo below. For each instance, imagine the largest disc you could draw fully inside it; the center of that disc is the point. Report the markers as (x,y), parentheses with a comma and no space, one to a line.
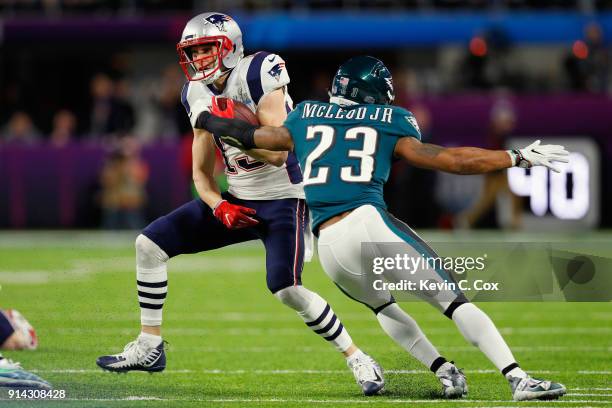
(232,344)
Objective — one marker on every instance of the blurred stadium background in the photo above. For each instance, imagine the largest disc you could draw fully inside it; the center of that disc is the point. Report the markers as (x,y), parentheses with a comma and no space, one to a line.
(93,135)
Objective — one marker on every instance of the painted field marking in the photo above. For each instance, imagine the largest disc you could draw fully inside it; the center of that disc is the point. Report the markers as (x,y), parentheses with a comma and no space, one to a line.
(333,401)
(302,371)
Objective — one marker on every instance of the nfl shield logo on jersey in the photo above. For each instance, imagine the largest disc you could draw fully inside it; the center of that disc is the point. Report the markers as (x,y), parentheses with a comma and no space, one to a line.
(218,20)
(276,71)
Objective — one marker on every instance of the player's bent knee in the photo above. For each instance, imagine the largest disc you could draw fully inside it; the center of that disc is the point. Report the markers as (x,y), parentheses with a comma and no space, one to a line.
(382,307)
(16,341)
(148,253)
(459,301)
(296,297)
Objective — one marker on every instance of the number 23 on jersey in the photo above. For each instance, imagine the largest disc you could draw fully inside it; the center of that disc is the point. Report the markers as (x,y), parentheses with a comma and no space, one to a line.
(315,174)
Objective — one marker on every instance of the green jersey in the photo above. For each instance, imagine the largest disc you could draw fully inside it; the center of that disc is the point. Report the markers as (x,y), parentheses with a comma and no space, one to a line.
(346,152)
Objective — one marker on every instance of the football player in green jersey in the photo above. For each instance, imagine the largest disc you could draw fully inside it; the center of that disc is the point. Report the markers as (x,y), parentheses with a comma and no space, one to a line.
(345,149)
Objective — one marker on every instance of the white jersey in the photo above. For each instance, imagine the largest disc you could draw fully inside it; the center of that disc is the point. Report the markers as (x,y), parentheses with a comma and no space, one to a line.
(253,77)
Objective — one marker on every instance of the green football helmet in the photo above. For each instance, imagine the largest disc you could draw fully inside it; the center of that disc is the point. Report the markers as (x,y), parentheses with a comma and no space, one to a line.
(363,79)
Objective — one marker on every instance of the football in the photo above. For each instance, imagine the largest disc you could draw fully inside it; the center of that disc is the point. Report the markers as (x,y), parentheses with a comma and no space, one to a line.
(241,111)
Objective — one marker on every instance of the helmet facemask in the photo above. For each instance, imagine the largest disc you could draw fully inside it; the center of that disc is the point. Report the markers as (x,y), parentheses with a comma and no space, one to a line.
(207,68)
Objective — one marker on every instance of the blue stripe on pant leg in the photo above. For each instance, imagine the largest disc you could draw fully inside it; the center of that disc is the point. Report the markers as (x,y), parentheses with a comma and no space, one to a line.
(405,233)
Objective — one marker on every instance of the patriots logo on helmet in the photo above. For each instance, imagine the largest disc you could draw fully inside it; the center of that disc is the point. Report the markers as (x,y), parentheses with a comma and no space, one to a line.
(276,71)
(218,20)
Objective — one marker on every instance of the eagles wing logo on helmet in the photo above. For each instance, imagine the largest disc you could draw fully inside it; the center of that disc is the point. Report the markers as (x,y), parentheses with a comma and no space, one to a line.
(276,71)
(218,20)
(391,91)
(389,82)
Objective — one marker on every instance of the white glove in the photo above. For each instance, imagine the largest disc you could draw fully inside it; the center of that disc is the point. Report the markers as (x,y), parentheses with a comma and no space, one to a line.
(539,155)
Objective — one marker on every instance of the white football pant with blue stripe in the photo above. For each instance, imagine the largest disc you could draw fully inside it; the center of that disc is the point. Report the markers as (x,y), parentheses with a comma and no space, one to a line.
(340,252)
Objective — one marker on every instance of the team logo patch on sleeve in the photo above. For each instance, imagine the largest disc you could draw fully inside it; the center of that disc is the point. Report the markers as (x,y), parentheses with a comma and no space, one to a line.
(413,122)
(218,20)
(276,71)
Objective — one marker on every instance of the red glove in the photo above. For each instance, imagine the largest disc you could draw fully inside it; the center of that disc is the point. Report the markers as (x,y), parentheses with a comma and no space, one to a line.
(234,216)
(223,108)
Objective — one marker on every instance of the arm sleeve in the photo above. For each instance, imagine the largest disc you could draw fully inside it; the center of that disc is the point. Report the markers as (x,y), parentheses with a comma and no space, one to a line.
(266,73)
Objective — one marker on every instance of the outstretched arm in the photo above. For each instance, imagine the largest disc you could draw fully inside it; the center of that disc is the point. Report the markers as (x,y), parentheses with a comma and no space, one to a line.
(473,160)
(271,112)
(273,138)
(245,136)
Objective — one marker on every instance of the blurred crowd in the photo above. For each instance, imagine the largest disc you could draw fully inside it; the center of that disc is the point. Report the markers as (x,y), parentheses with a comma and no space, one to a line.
(123,109)
(148,107)
(123,187)
(131,7)
(115,111)
(121,117)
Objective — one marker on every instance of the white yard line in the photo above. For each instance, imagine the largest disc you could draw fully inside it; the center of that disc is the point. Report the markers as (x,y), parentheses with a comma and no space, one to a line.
(81,268)
(329,350)
(521,349)
(78,239)
(275,316)
(592,389)
(299,331)
(333,401)
(302,371)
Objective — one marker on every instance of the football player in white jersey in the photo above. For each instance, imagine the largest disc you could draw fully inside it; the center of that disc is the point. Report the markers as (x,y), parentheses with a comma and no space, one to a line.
(265,200)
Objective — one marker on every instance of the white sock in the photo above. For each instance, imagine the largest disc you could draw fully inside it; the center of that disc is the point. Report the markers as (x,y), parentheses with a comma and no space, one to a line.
(444,367)
(317,314)
(356,354)
(151,279)
(478,329)
(516,372)
(150,339)
(406,332)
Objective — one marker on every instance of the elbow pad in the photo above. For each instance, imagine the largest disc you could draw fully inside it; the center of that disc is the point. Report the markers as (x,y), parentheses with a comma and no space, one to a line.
(234,132)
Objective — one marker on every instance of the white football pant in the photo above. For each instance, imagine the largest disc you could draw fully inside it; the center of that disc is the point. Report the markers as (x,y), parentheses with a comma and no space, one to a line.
(349,263)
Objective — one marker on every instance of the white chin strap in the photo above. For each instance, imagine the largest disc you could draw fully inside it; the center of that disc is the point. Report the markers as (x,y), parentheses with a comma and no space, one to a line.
(213,77)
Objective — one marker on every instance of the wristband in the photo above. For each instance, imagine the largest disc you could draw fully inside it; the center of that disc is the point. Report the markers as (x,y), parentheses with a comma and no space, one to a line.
(234,132)
(217,205)
(518,159)
(512,157)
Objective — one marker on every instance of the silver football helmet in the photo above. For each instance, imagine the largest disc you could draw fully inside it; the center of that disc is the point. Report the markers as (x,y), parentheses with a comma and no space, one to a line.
(213,29)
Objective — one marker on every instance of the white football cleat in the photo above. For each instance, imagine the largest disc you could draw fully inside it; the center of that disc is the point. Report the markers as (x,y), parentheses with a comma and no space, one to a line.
(137,355)
(525,389)
(368,374)
(454,383)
